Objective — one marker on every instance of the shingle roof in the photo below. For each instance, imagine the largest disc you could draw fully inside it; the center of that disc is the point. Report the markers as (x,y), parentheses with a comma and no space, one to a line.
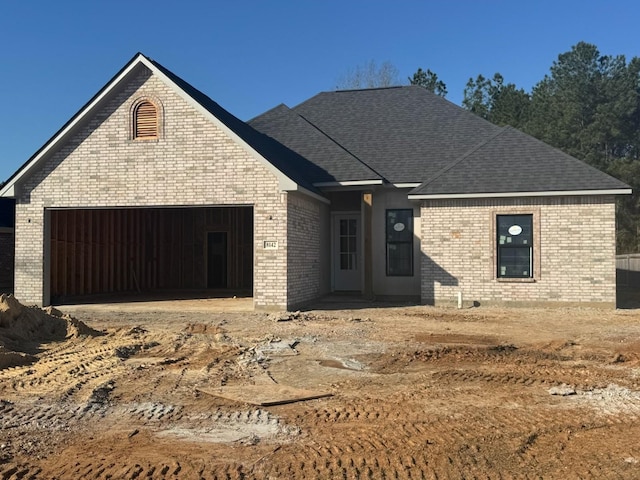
(512,161)
(289,128)
(404,133)
(410,135)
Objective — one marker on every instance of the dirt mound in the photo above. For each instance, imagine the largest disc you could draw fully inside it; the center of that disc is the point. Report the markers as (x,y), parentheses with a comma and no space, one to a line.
(74,327)
(9,358)
(22,328)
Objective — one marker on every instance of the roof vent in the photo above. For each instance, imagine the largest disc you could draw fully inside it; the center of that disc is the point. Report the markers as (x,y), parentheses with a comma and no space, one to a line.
(145,121)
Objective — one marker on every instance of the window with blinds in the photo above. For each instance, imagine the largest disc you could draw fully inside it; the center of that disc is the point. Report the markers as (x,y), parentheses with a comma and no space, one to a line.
(145,121)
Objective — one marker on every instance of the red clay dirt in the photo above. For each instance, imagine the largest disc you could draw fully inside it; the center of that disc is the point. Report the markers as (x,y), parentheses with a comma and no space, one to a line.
(418,392)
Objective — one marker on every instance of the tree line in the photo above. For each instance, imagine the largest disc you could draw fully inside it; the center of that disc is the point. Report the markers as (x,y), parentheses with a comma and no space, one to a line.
(588,106)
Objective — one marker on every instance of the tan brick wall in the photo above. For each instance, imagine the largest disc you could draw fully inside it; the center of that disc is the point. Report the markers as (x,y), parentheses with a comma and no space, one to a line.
(193,163)
(306,260)
(574,251)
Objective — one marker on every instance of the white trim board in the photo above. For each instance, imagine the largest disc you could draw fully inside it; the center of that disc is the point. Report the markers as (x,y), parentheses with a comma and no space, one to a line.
(561,193)
(352,183)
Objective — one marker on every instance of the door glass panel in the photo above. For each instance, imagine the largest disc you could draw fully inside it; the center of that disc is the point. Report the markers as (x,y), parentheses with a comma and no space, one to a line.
(344,261)
(352,227)
(348,244)
(343,227)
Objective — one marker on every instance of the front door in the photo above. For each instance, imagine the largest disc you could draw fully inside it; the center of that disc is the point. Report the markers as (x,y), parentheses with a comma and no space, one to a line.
(347,258)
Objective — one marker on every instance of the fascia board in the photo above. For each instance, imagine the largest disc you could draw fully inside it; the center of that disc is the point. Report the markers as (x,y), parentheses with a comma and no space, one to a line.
(406,185)
(561,193)
(8,191)
(313,195)
(352,183)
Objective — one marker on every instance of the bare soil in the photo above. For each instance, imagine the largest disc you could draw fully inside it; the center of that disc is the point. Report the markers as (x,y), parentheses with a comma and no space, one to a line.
(418,393)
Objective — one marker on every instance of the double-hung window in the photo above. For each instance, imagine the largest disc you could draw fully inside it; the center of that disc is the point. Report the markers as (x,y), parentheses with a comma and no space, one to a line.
(400,242)
(514,246)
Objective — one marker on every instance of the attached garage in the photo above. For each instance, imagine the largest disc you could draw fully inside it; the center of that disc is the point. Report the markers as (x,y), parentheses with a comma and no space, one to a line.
(150,250)
(153,189)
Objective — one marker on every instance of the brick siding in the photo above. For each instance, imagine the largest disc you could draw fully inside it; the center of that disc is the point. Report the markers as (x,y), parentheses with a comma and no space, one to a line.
(574,251)
(304,253)
(193,163)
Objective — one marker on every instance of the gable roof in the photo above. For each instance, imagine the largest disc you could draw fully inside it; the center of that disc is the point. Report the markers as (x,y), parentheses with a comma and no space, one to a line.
(411,136)
(291,169)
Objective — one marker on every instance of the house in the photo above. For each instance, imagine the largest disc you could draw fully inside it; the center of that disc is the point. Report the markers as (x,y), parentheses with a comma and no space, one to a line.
(394,192)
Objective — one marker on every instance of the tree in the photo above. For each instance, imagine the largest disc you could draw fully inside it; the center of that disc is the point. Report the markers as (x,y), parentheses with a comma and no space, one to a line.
(493,100)
(587,104)
(477,96)
(369,75)
(430,81)
(509,106)
(589,107)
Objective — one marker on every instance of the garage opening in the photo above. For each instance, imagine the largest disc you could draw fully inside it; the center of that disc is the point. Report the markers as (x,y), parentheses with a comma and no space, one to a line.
(100,254)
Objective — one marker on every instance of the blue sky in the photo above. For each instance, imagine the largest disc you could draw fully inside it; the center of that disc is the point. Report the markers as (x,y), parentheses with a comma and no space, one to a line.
(252,55)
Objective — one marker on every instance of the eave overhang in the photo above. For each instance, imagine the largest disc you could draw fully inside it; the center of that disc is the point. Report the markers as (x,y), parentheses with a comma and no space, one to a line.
(353,183)
(563,193)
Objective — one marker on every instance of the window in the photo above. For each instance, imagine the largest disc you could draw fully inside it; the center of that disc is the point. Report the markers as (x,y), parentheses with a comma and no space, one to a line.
(145,121)
(400,242)
(515,246)
(348,244)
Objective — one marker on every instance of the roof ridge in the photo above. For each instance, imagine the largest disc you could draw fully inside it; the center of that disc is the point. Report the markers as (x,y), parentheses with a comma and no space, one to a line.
(272,109)
(465,155)
(351,90)
(338,144)
(365,89)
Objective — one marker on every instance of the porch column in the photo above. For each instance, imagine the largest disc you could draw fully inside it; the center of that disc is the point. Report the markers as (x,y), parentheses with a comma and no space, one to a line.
(367,207)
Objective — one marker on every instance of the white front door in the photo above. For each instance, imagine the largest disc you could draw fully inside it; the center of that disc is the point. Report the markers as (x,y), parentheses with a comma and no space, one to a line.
(347,258)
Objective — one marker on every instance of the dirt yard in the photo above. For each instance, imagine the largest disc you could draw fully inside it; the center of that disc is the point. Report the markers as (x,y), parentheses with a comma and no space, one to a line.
(185,390)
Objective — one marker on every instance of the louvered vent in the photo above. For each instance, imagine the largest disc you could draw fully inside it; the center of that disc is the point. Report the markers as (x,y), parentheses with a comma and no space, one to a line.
(146,121)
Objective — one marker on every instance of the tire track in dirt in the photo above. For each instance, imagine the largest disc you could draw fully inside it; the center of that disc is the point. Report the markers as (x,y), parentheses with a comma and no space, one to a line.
(581,378)
(165,423)
(465,412)
(74,368)
(416,429)
(19,472)
(119,470)
(362,447)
